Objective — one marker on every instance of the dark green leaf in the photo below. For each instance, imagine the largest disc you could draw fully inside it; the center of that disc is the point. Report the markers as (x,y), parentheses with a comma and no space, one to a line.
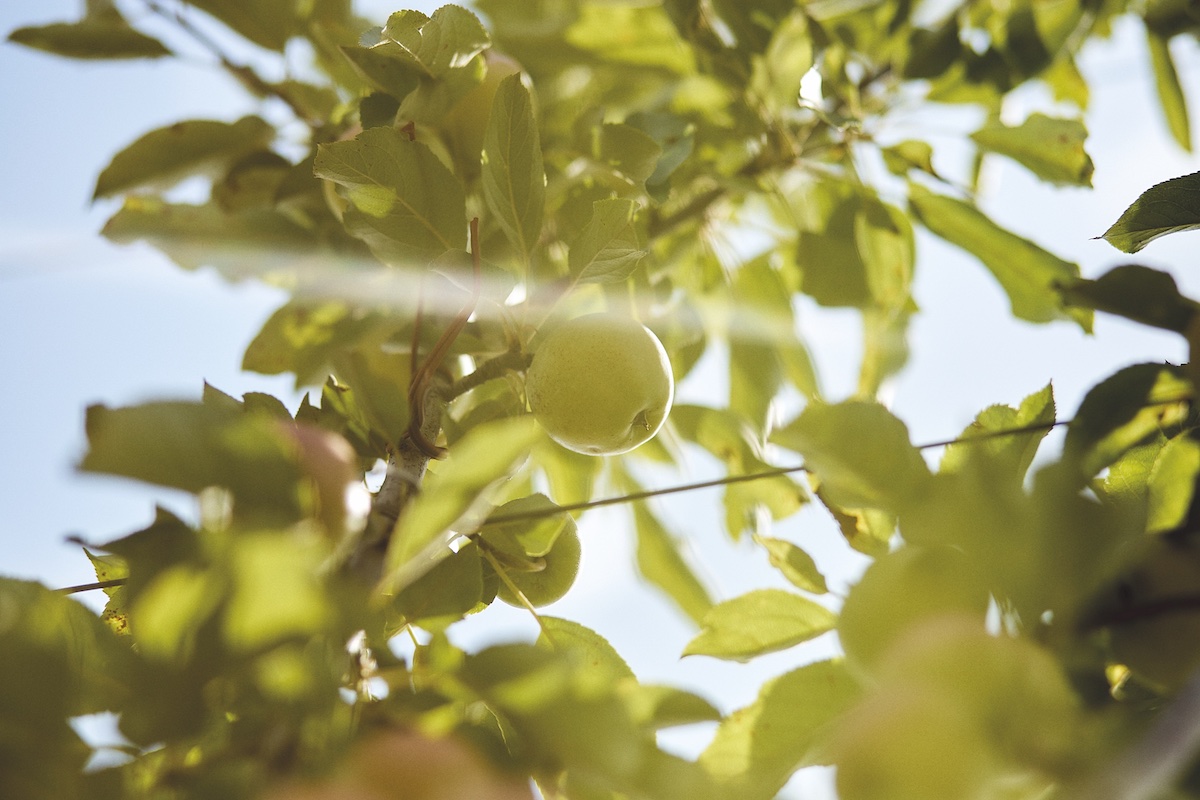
(1168,207)
(514,179)
(757,748)
(1029,274)
(1049,147)
(759,622)
(407,206)
(164,156)
(1138,293)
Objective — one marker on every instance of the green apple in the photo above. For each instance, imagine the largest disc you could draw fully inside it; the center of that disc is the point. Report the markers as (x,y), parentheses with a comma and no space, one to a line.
(600,384)
(548,584)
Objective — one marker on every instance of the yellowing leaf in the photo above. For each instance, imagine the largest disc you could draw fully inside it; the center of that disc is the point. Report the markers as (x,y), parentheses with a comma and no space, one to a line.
(759,622)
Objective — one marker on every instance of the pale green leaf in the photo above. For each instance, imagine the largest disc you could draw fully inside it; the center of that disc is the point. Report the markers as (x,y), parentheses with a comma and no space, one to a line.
(795,564)
(987,437)
(408,207)
(660,560)
(658,707)
(628,150)
(451,589)
(1049,147)
(379,380)
(436,45)
(761,325)
(885,242)
(909,154)
(302,338)
(860,453)
(164,156)
(1030,275)
(166,615)
(268,23)
(757,748)
(759,622)
(452,497)
(789,55)
(276,593)
(1170,92)
(1168,207)
(591,649)
(752,504)
(514,179)
(631,34)
(607,250)
(1172,485)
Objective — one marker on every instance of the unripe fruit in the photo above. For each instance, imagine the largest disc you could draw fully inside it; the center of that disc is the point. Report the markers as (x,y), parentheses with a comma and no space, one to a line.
(600,384)
(549,584)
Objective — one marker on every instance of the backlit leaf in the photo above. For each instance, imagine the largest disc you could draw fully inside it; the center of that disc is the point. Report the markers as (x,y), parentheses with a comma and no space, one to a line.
(1010,453)
(484,457)
(757,748)
(795,564)
(860,453)
(268,23)
(1138,293)
(1049,147)
(593,650)
(1168,207)
(660,560)
(607,249)
(1172,485)
(759,622)
(302,338)
(659,707)
(408,207)
(514,180)
(164,156)
(90,38)
(1030,275)
(438,44)
(276,593)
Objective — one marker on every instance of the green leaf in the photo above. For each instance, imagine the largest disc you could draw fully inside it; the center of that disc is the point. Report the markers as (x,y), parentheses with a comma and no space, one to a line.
(1029,274)
(1172,485)
(262,244)
(267,23)
(630,34)
(1170,91)
(387,67)
(660,560)
(795,564)
(514,178)
(908,154)
(832,271)
(659,707)
(859,452)
(746,501)
(789,55)
(1126,409)
(531,537)
(759,622)
(757,748)
(760,327)
(1049,147)
(408,207)
(1138,293)
(112,568)
(379,380)
(885,242)
(167,614)
(191,446)
(90,38)
(165,156)
(867,530)
(628,150)
(1009,455)
(275,593)
(1168,207)
(591,649)
(436,45)
(451,589)
(607,250)
(484,457)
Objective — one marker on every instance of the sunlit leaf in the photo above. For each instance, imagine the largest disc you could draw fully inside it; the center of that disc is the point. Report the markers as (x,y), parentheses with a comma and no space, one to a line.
(379,380)
(795,564)
(275,593)
(1138,293)
(1172,485)
(628,150)
(1030,275)
(387,67)
(661,707)
(867,530)
(1049,147)
(408,207)
(166,616)
(789,55)
(908,154)
(661,560)
(593,650)
(757,748)
(447,40)
(514,181)
(1123,411)
(164,156)
(607,250)
(987,436)
(302,338)
(109,569)
(860,452)
(758,622)
(1168,207)
(481,459)
(641,35)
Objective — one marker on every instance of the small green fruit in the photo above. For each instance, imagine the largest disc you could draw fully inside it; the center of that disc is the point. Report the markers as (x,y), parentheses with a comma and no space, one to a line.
(549,584)
(600,384)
